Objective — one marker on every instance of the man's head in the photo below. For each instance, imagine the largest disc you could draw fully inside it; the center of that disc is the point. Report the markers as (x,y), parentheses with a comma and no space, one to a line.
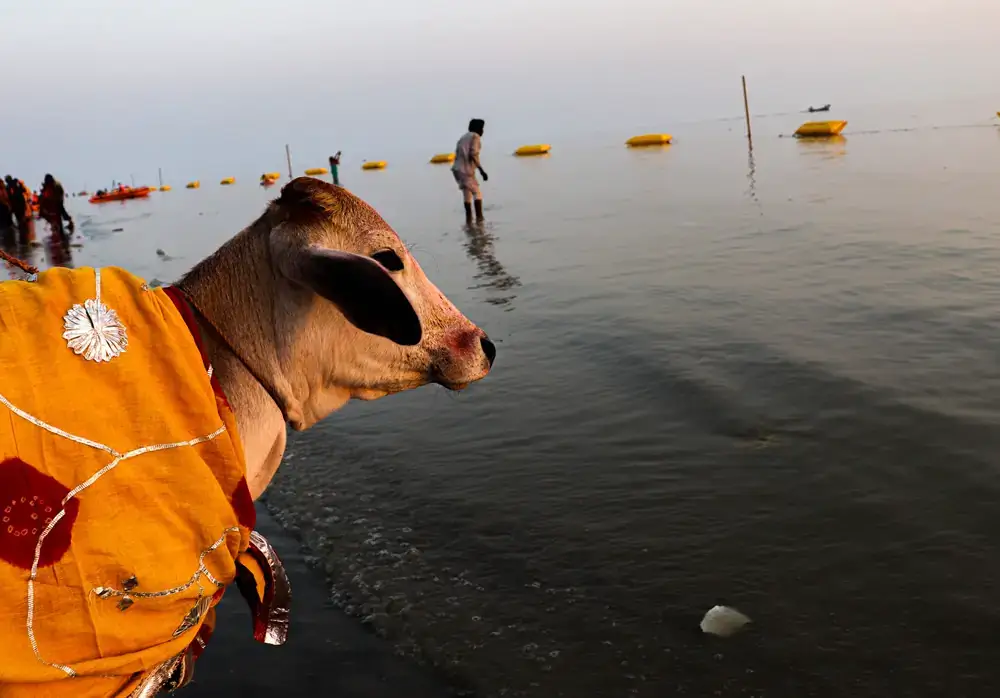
(49,179)
(476,126)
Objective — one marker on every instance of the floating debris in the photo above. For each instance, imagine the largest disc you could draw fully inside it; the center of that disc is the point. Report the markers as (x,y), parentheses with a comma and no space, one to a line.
(649,139)
(539,149)
(820,129)
(723,621)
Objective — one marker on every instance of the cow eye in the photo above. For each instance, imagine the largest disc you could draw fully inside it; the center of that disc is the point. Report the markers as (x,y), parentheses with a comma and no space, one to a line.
(389,259)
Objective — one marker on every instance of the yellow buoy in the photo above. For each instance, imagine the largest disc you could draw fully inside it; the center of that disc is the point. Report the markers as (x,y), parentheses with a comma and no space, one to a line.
(540,149)
(228,180)
(649,139)
(317,171)
(194,185)
(165,187)
(443,157)
(374,165)
(820,129)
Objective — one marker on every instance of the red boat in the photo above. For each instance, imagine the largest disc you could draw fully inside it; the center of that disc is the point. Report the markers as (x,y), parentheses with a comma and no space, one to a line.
(121,194)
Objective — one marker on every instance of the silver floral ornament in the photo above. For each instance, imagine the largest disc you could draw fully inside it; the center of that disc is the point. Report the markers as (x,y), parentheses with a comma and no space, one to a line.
(93,330)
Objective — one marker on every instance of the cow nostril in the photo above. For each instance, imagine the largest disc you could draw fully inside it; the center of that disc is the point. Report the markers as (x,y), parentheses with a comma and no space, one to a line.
(489,349)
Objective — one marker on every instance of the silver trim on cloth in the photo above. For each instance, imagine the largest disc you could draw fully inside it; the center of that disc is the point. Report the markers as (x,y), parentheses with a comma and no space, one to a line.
(117,459)
(166,677)
(128,591)
(276,632)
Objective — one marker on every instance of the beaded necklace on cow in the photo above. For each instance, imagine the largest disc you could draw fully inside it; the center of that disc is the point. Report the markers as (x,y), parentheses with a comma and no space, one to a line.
(265,384)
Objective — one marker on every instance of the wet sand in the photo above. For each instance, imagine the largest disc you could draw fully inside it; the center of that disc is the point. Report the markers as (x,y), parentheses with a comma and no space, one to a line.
(327,653)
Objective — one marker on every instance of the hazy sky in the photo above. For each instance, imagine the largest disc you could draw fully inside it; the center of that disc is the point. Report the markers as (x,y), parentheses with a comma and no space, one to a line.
(216,87)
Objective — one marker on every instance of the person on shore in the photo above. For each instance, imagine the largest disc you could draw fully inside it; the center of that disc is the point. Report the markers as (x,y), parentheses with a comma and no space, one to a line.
(334,171)
(6,217)
(465,167)
(20,206)
(52,207)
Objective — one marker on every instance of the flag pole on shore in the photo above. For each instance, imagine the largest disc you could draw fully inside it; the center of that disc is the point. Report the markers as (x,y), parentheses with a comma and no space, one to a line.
(746,109)
(288,156)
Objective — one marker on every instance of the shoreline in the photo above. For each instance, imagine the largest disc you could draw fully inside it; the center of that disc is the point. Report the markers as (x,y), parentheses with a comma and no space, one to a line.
(327,652)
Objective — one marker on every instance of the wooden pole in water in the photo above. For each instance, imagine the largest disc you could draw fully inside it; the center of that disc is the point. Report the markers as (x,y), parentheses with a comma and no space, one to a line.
(160,170)
(746,109)
(288,156)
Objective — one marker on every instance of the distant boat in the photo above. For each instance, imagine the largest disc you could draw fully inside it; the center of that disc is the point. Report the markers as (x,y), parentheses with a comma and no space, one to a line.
(813,110)
(120,194)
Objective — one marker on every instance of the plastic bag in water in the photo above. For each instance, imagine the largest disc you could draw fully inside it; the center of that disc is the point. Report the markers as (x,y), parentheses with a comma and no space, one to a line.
(723,621)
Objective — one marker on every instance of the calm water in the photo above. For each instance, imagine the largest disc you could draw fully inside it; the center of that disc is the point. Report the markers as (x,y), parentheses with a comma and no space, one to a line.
(769,383)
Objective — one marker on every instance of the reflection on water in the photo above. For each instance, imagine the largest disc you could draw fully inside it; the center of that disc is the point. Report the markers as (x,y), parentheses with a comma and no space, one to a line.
(827,148)
(52,252)
(8,238)
(752,176)
(58,252)
(479,247)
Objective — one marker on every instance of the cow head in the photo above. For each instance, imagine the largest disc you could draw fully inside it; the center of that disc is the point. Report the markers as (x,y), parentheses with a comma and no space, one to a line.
(356,317)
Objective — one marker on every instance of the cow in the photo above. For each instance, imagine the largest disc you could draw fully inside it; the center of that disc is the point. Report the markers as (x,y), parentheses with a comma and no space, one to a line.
(144,422)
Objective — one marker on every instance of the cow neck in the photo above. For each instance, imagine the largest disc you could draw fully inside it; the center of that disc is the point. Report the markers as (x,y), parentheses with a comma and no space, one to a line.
(263,382)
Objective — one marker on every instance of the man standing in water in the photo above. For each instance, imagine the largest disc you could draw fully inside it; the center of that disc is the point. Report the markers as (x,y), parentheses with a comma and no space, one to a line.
(20,205)
(6,219)
(334,165)
(464,169)
(52,207)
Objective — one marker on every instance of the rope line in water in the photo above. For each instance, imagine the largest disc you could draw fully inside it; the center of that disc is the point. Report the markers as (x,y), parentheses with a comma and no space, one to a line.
(19,263)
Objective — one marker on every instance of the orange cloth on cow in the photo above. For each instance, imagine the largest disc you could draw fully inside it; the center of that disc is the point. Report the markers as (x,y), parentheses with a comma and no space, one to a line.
(169,521)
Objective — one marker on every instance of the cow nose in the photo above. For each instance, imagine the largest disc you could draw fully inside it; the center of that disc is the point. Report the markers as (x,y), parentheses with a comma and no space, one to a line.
(489,349)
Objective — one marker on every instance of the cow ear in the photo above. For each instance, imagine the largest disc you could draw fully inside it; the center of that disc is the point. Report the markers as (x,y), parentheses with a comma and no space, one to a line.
(360,288)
